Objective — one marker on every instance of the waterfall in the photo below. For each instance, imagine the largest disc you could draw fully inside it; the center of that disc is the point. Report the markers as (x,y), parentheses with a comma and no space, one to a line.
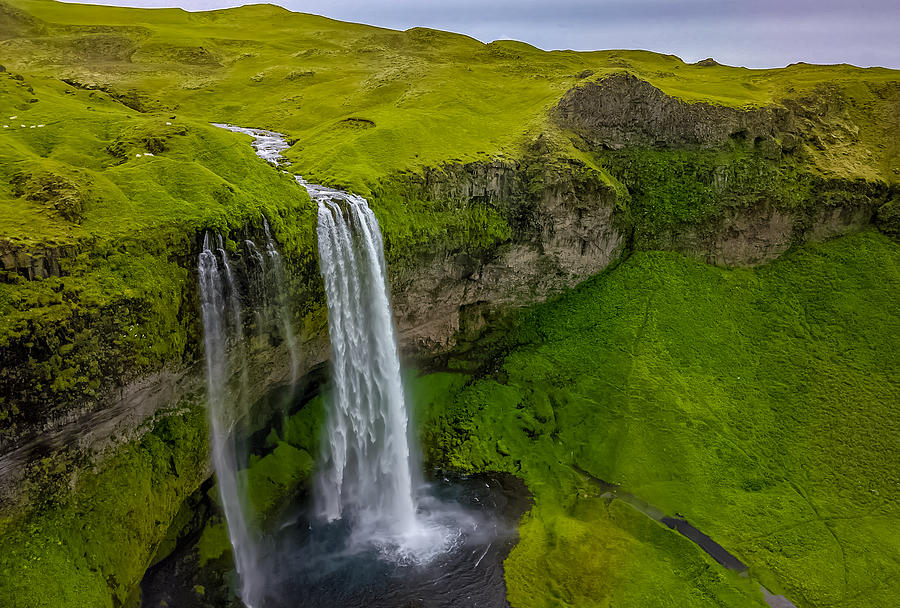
(268,286)
(282,302)
(223,326)
(215,287)
(365,474)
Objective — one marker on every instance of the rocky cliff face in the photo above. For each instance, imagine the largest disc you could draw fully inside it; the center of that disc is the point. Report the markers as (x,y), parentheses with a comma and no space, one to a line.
(730,186)
(624,111)
(737,186)
(563,231)
(114,391)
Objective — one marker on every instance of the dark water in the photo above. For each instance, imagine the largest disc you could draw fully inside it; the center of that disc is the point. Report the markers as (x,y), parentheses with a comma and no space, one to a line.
(313,565)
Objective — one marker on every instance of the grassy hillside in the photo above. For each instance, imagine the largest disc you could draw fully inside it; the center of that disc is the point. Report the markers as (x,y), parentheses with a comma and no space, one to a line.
(760,404)
(115,199)
(361,103)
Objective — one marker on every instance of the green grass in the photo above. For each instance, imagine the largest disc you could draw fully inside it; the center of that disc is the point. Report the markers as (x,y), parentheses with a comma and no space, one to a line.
(88,546)
(94,151)
(429,97)
(761,404)
(125,222)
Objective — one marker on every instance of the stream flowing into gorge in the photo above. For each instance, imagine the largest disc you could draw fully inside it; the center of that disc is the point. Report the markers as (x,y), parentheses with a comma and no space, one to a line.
(374,532)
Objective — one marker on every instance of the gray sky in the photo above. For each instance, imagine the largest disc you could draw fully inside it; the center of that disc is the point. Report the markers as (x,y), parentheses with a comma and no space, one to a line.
(757,33)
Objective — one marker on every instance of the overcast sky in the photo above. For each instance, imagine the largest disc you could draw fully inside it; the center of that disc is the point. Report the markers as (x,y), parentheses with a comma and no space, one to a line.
(753,33)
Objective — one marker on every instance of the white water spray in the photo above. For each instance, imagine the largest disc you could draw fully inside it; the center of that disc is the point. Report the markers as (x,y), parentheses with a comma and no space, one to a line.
(282,302)
(226,357)
(366,460)
(218,297)
(366,473)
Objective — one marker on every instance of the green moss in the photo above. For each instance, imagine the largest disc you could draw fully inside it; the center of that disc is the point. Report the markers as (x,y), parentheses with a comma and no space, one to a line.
(213,542)
(90,546)
(614,556)
(274,477)
(279,472)
(758,403)
(672,190)
(119,227)
(888,218)
(412,223)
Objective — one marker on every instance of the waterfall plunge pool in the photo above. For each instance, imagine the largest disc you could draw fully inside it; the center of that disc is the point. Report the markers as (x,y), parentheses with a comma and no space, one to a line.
(311,565)
(322,566)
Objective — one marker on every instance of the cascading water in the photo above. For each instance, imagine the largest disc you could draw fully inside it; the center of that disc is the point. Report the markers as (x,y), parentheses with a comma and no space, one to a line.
(223,325)
(282,302)
(215,287)
(365,470)
(365,474)
(267,283)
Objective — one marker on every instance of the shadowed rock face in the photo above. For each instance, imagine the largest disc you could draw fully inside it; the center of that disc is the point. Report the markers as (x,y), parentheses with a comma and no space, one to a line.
(563,232)
(30,263)
(624,111)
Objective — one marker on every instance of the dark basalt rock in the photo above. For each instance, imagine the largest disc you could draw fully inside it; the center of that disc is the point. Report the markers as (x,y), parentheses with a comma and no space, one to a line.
(622,110)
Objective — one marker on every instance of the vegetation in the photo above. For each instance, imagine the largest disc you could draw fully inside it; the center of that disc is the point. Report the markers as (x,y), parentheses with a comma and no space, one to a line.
(760,404)
(756,402)
(362,103)
(86,194)
(89,547)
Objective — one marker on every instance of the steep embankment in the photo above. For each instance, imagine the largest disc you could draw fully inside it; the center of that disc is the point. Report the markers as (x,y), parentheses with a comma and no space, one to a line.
(760,404)
(500,174)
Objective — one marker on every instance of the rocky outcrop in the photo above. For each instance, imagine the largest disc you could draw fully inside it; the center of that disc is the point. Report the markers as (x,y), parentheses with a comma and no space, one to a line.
(734,186)
(563,231)
(30,263)
(825,127)
(624,111)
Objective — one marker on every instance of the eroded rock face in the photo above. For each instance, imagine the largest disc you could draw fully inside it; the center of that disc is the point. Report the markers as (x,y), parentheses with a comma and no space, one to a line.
(741,156)
(33,264)
(563,233)
(624,111)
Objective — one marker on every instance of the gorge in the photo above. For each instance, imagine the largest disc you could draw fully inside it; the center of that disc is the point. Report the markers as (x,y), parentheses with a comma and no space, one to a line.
(680,279)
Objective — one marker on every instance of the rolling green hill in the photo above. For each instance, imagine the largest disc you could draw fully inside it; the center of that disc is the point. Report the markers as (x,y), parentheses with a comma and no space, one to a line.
(361,103)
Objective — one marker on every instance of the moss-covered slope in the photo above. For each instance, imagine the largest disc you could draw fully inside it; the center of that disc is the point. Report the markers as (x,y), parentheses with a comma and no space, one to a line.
(760,404)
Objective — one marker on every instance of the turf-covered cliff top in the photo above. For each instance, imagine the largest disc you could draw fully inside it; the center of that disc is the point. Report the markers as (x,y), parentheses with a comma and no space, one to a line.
(361,102)
(77,164)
